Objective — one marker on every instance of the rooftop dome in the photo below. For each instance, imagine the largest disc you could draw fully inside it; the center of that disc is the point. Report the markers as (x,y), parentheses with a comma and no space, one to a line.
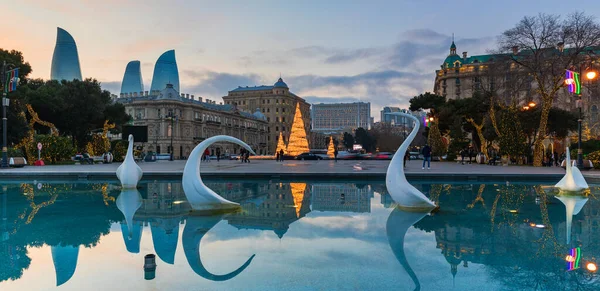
(259,114)
(168,93)
(453,46)
(281,84)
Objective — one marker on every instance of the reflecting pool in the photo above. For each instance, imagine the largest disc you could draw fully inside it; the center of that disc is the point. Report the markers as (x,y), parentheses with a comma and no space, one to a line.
(299,235)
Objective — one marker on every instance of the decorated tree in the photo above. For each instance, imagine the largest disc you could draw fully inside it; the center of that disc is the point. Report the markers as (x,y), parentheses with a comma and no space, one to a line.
(438,147)
(330,148)
(280,144)
(512,140)
(298,143)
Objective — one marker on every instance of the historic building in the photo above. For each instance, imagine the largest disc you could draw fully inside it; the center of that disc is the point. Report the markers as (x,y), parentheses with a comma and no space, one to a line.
(462,76)
(340,117)
(341,198)
(277,104)
(180,118)
(65,60)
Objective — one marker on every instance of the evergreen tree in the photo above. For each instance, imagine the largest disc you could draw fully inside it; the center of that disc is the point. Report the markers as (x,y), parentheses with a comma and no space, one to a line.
(280,144)
(330,148)
(512,140)
(438,148)
(298,142)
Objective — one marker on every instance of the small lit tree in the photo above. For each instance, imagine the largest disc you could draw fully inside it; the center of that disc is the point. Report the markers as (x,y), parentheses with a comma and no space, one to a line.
(438,147)
(330,148)
(280,144)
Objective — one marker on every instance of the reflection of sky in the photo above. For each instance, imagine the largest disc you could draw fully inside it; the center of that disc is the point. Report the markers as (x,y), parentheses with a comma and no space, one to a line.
(321,251)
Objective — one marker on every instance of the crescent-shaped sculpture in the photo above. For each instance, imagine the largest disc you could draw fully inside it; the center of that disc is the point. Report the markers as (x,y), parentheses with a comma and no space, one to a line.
(403,193)
(129,173)
(573,180)
(573,205)
(195,229)
(128,202)
(397,225)
(200,197)
(65,262)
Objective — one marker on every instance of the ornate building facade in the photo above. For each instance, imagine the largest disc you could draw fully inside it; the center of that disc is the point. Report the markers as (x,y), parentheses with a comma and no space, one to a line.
(187,121)
(277,104)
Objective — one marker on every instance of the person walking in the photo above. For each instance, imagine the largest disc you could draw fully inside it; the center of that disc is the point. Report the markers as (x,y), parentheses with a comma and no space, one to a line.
(335,153)
(247,156)
(277,156)
(218,154)
(281,155)
(471,154)
(406,157)
(207,155)
(463,153)
(426,156)
(242,155)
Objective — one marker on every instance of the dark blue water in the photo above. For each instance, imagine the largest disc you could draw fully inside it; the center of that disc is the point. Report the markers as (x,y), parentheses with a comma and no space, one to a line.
(297,236)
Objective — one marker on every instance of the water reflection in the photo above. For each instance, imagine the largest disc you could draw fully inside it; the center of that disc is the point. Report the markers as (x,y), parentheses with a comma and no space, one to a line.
(519,233)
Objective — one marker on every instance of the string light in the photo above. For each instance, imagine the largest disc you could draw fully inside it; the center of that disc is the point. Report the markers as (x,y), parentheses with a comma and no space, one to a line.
(330,148)
(280,144)
(572,81)
(297,143)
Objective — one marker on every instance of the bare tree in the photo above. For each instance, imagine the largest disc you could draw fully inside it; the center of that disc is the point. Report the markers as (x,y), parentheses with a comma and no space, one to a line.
(544,46)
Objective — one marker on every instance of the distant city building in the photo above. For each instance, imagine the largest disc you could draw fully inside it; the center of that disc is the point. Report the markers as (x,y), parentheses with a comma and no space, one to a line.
(278,105)
(165,72)
(132,79)
(328,197)
(195,120)
(339,117)
(399,120)
(65,60)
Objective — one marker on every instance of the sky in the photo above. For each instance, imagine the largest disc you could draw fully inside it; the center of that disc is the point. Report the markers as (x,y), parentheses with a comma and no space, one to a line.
(383,52)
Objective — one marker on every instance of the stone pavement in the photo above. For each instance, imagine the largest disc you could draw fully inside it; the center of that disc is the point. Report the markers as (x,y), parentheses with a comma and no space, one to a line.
(301,169)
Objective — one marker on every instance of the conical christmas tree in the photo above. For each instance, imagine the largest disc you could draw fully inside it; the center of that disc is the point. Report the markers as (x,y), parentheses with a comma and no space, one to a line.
(298,143)
(438,148)
(298,195)
(280,144)
(330,148)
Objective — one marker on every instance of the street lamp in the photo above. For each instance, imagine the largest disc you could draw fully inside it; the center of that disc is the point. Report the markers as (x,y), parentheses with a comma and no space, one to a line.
(5,102)
(171,115)
(572,80)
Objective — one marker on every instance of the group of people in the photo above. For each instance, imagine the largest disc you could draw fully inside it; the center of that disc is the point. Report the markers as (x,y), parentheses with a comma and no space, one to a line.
(279,156)
(553,159)
(244,155)
(467,152)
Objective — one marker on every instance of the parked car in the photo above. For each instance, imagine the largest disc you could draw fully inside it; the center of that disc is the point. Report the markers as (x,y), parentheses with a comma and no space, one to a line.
(365,156)
(383,156)
(308,156)
(347,156)
(415,156)
(163,157)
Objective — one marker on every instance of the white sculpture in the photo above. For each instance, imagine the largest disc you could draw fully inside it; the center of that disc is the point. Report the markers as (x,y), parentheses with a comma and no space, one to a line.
(198,195)
(129,173)
(401,191)
(128,202)
(573,205)
(573,179)
(195,229)
(397,225)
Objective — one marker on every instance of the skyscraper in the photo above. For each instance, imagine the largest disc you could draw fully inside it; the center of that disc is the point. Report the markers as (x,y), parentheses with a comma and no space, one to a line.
(165,72)
(132,80)
(65,60)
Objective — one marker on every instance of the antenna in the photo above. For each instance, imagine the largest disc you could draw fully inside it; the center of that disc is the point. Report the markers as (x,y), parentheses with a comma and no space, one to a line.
(453,37)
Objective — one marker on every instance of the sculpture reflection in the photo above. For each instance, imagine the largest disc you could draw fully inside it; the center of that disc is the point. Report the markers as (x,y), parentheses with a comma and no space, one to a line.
(195,229)
(573,205)
(129,201)
(397,225)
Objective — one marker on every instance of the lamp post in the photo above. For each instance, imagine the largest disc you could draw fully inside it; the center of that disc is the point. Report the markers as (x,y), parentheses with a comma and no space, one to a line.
(572,81)
(5,103)
(172,117)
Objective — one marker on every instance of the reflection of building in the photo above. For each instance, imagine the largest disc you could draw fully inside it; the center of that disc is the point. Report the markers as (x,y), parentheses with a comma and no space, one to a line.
(65,60)
(277,103)
(340,117)
(194,121)
(284,204)
(328,197)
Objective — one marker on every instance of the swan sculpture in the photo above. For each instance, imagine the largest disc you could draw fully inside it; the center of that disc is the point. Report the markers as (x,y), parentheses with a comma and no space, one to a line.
(195,229)
(573,205)
(129,173)
(573,180)
(397,225)
(128,202)
(403,193)
(200,197)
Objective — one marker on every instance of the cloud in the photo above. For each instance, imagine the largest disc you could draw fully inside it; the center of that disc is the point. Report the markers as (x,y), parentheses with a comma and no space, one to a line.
(214,84)
(113,87)
(352,55)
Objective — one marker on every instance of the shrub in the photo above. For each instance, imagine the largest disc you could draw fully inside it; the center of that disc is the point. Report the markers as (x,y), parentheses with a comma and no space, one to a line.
(119,150)
(15,152)
(54,148)
(595,158)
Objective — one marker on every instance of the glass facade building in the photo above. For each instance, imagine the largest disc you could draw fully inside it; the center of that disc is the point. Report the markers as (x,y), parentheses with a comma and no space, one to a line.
(65,60)
(132,80)
(165,72)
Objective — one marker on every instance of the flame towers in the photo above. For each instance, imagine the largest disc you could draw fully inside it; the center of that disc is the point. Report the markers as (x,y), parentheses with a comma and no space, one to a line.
(132,80)
(65,60)
(165,72)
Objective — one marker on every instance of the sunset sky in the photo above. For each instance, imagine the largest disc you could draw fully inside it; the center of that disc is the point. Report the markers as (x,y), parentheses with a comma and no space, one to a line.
(383,52)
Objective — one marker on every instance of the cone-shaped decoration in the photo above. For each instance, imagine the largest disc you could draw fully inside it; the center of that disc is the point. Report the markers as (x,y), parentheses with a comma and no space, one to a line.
(280,144)
(298,194)
(330,148)
(298,143)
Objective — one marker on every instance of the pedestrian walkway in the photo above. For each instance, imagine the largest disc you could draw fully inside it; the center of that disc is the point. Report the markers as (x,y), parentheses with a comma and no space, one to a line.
(306,169)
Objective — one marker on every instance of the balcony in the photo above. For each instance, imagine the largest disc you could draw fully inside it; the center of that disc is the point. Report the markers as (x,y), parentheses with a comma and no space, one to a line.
(213,122)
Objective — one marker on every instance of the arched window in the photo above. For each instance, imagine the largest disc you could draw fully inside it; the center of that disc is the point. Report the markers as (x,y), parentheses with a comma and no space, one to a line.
(594,113)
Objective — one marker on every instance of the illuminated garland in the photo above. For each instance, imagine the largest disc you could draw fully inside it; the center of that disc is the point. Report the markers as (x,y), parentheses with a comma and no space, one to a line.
(573,82)
(573,259)
(280,144)
(330,148)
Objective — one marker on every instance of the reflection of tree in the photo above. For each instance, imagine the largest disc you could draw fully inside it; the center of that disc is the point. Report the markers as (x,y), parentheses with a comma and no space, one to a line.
(516,254)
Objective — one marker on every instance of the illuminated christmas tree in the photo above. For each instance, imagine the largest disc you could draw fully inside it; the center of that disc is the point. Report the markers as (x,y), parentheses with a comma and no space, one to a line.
(280,144)
(298,190)
(330,148)
(297,143)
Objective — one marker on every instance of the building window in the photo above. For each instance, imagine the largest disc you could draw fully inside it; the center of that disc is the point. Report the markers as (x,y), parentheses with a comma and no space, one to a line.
(244,102)
(282,109)
(276,128)
(277,109)
(263,101)
(283,119)
(277,100)
(283,128)
(268,101)
(263,110)
(268,119)
(268,110)
(169,130)
(276,119)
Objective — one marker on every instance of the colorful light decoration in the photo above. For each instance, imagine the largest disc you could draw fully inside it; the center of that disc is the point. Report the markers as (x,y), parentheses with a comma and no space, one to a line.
(573,259)
(572,81)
